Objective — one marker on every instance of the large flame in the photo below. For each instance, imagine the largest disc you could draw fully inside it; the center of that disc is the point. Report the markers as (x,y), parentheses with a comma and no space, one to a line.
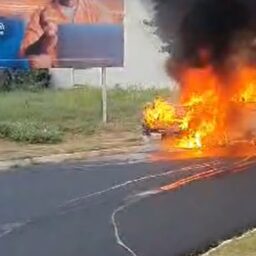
(212,106)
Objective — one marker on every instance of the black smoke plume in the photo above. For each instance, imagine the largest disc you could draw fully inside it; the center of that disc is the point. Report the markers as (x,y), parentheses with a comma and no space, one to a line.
(219,27)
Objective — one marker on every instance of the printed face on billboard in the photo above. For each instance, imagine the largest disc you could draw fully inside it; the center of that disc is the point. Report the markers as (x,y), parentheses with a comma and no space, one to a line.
(61,33)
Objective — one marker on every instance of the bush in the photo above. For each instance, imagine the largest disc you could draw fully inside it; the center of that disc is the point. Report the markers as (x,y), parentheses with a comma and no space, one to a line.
(31,80)
(30,132)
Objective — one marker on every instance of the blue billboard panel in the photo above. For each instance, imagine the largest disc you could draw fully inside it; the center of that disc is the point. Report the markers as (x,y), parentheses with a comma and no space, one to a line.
(61,33)
(11,35)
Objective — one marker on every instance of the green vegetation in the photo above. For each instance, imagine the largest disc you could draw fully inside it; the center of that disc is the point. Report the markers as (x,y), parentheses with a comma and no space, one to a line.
(47,116)
(30,80)
(245,246)
(30,132)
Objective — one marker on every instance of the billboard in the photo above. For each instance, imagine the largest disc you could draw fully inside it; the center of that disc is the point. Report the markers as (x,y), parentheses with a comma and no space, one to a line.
(61,33)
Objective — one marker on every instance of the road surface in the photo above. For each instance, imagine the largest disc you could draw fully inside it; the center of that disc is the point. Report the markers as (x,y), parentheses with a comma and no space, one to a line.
(122,208)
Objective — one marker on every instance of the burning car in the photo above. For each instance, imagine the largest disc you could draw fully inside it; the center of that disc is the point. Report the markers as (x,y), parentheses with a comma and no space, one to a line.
(207,115)
(214,61)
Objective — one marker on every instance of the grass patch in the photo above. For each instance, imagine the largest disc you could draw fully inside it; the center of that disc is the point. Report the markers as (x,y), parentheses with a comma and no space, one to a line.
(33,133)
(47,116)
(245,246)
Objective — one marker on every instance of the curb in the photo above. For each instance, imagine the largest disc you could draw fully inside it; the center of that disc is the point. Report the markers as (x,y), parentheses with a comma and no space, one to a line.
(59,158)
(228,242)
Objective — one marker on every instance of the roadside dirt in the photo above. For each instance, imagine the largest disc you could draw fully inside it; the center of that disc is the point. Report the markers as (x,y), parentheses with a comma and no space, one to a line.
(75,144)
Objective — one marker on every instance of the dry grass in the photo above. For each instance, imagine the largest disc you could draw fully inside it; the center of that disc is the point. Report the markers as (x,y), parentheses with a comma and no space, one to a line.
(245,246)
(72,144)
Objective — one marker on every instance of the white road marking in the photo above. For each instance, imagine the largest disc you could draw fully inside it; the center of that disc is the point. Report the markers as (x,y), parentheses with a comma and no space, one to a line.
(242,163)
(7,228)
(119,241)
(134,199)
(76,200)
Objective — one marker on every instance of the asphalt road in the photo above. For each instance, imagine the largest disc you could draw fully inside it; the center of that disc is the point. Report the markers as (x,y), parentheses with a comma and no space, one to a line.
(120,208)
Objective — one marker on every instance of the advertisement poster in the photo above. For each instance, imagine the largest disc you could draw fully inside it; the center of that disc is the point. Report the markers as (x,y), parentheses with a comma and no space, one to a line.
(61,33)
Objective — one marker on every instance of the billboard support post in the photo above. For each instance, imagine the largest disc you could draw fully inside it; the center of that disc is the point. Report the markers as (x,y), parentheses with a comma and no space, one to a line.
(73,76)
(104,93)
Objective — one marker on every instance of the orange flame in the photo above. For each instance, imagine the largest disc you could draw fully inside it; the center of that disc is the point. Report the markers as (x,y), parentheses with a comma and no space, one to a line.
(212,107)
(159,114)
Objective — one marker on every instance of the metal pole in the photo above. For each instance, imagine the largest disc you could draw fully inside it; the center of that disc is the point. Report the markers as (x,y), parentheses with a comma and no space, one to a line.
(72,77)
(104,94)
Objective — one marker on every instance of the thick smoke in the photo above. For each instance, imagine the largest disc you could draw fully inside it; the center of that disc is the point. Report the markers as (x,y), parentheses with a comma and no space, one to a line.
(206,30)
